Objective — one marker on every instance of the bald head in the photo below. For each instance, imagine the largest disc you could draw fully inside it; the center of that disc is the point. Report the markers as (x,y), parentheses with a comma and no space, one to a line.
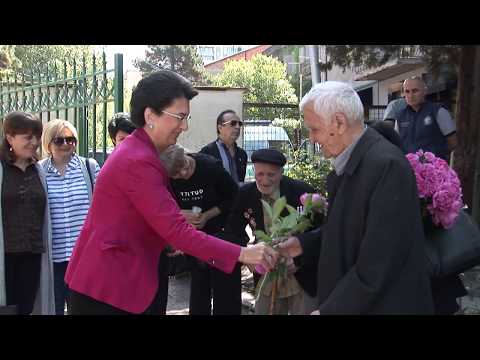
(414,90)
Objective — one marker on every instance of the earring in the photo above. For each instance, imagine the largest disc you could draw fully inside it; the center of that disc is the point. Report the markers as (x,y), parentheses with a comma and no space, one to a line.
(10,148)
(150,126)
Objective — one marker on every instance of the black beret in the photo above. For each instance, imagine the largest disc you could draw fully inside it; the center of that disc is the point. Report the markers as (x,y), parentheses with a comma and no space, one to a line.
(269,156)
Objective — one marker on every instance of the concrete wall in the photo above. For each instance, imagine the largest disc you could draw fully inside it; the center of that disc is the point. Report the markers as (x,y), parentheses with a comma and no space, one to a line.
(204,109)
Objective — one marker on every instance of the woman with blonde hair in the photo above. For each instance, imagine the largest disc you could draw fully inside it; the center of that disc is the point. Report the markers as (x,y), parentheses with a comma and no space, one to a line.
(70,181)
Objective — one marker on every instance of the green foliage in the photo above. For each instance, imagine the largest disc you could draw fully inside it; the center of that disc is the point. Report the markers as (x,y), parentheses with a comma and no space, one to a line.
(183,59)
(284,226)
(35,57)
(377,55)
(265,78)
(313,169)
(8,60)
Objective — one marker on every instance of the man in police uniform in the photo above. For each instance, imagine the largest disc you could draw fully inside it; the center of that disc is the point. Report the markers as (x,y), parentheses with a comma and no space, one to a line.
(420,123)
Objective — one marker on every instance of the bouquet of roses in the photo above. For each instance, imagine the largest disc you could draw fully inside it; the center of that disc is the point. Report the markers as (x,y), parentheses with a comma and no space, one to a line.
(438,188)
(296,222)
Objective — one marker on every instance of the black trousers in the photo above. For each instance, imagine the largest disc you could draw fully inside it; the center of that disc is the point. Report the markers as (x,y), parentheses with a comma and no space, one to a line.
(85,305)
(225,289)
(80,304)
(159,305)
(22,280)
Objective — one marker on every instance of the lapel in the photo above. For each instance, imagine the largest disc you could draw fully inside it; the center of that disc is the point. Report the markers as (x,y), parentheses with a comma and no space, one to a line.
(369,138)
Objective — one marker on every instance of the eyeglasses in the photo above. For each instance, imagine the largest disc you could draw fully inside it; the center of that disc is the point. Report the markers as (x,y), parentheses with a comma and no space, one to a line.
(59,141)
(185,118)
(233,123)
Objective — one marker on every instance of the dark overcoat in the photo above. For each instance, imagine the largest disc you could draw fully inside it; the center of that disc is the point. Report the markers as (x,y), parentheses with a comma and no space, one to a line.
(370,252)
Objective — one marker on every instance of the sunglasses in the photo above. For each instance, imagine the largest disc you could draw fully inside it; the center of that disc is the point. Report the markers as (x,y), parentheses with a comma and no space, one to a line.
(59,141)
(233,123)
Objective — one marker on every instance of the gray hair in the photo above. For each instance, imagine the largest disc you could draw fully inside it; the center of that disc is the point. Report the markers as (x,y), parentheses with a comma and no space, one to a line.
(418,78)
(173,158)
(330,97)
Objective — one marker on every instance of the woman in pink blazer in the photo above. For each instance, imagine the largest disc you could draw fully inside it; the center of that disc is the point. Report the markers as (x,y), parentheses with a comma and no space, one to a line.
(133,216)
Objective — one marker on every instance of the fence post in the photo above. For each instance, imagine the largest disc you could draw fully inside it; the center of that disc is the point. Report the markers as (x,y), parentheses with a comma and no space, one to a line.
(118,83)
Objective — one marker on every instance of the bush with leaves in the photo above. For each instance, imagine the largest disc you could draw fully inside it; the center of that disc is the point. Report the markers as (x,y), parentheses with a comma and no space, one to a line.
(313,169)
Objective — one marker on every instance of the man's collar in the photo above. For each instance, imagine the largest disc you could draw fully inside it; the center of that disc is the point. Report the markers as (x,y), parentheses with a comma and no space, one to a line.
(223,142)
(420,108)
(368,138)
(341,160)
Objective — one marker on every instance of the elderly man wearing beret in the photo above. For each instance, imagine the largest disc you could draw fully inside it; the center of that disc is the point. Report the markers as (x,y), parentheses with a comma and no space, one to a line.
(270,184)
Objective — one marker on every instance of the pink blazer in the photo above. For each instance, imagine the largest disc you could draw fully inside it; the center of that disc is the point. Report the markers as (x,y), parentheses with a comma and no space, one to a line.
(132,218)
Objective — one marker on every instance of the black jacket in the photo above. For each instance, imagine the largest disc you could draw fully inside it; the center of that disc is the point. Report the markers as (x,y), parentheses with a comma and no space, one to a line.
(370,252)
(247,209)
(240,157)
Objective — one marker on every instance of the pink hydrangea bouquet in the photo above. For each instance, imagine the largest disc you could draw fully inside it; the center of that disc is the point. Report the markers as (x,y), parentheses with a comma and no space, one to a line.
(438,188)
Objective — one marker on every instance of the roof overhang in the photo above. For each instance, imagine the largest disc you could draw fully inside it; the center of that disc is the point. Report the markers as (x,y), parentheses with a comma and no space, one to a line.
(391,69)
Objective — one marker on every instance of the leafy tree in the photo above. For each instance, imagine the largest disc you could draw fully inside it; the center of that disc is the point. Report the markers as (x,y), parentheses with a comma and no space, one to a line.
(465,63)
(266,80)
(7,58)
(313,169)
(34,58)
(183,59)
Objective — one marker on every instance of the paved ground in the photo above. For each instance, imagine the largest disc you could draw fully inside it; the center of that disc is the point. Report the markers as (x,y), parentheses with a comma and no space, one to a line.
(470,304)
(179,293)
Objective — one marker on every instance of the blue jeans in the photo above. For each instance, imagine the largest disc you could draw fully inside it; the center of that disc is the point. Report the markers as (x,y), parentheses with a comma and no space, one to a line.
(60,287)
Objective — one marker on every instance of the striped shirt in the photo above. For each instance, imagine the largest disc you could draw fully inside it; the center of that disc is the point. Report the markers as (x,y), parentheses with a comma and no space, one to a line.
(69,203)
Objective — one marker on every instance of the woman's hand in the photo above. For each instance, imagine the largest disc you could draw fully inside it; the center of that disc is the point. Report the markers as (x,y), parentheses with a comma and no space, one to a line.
(259,254)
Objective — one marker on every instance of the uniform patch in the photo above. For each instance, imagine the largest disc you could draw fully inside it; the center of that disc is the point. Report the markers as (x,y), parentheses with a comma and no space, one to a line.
(428,120)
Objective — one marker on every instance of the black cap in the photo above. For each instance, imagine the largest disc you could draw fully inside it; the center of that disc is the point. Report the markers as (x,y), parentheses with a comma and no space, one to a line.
(269,156)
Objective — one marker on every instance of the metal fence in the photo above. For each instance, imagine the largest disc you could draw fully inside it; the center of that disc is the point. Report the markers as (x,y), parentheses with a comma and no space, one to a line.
(374,113)
(85,93)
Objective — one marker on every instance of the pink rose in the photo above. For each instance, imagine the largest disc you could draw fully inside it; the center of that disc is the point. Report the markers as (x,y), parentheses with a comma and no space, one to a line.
(260,269)
(429,157)
(303,198)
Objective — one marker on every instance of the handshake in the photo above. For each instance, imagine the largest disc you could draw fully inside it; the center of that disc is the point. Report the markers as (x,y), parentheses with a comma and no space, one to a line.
(266,257)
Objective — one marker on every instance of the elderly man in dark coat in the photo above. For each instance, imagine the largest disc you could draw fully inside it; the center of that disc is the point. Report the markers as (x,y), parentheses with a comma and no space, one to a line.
(270,184)
(370,251)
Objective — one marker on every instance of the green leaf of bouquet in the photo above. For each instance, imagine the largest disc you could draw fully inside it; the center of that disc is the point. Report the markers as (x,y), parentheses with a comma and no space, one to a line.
(289,221)
(278,207)
(302,226)
(267,208)
(262,236)
(292,210)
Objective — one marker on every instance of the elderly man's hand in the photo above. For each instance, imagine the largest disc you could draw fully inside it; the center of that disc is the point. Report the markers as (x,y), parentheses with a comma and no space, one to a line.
(316,312)
(291,268)
(290,247)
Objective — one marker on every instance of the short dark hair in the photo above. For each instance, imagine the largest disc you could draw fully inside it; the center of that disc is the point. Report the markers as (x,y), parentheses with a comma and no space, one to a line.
(15,123)
(120,122)
(220,117)
(157,91)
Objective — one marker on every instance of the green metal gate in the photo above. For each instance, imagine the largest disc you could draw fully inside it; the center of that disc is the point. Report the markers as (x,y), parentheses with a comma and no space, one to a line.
(83,92)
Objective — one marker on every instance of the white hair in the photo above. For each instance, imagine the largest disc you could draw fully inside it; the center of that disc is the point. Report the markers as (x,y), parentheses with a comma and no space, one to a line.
(330,97)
